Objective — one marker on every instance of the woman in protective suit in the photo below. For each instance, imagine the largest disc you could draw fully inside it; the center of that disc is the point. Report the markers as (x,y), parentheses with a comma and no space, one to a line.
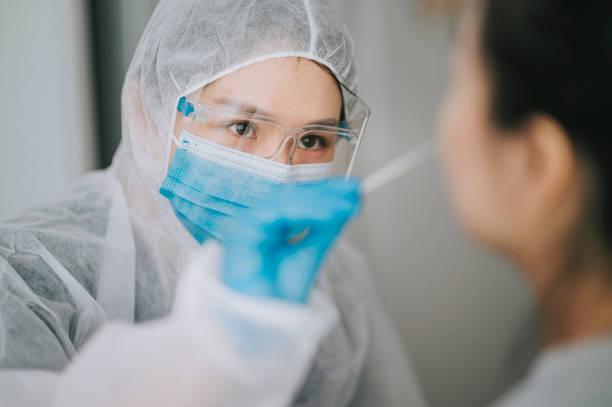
(106,297)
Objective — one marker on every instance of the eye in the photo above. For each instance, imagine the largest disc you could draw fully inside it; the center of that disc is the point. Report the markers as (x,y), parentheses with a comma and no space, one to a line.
(312,142)
(242,129)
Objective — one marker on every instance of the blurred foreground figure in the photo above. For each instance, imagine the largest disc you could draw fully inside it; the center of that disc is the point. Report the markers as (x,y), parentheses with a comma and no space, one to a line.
(526,153)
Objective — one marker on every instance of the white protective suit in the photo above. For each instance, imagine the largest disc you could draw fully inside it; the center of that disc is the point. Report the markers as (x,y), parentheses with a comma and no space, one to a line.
(98,303)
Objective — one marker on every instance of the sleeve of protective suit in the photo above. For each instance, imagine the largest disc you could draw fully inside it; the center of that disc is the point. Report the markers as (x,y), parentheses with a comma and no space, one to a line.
(216,347)
(387,377)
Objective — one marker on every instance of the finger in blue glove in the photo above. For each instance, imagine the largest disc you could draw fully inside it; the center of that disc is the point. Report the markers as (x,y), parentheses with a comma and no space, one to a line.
(264,256)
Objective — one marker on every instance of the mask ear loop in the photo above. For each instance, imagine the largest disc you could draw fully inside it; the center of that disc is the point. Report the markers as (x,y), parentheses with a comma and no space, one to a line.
(186,108)
(172,138)
(187,113)
(176,141)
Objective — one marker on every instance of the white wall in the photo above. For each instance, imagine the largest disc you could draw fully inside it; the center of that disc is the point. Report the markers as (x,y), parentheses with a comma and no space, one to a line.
(46,139)
(459,309)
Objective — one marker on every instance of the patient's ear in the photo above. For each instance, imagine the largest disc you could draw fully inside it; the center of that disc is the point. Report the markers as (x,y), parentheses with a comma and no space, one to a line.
(551,166)
(546,175)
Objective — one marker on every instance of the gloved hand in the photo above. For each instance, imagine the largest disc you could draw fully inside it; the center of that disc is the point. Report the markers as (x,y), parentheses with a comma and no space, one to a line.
(275,249)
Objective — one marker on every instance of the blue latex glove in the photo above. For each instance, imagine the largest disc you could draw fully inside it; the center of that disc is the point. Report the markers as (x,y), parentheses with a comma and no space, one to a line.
(261,258)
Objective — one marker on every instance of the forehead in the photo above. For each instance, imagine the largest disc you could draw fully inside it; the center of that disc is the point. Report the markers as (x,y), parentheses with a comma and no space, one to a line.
(293,90)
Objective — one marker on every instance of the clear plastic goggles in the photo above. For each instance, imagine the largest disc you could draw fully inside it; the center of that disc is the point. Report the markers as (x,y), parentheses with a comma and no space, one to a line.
(334,142)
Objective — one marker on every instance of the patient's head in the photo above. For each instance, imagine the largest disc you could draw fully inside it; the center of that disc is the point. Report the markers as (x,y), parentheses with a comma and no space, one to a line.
(525,132)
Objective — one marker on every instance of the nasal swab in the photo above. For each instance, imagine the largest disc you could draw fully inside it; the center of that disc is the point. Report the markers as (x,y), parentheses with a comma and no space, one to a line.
(397,167)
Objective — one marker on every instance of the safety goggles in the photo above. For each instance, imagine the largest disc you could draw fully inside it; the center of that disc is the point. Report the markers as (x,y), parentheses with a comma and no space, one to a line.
(245,130)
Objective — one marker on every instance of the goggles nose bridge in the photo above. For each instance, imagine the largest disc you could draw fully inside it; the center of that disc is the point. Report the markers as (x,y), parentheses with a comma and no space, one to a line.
(292,135)
(293,144)
(285,150)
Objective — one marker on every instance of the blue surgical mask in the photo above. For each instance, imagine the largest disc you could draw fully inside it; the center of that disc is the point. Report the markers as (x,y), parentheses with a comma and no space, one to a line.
(207,184)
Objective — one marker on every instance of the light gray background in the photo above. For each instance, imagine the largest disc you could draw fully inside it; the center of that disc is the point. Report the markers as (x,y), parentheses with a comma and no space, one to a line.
(46,138)
(463,313)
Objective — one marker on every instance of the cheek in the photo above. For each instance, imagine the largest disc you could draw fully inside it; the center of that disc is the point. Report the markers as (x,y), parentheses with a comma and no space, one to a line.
(466,163)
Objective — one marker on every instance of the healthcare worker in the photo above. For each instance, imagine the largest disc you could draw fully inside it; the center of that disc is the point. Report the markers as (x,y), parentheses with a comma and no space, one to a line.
(106,298)
(526,149)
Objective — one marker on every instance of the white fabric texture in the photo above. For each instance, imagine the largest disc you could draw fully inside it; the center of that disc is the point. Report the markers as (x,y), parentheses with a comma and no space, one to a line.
(227,342)
(252,164)
(87,283)
(570,376)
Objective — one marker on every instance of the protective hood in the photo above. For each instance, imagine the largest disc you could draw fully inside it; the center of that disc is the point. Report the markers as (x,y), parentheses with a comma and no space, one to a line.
(188,44)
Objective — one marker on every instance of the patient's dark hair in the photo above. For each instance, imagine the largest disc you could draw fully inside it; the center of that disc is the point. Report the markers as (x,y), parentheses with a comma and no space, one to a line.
(554,57)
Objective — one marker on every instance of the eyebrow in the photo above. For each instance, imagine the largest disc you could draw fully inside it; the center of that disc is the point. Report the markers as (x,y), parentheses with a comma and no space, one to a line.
(248,108)
(243,107)
(325,122)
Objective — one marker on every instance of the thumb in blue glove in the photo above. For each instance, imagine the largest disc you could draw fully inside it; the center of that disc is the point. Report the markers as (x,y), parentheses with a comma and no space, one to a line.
(262,258)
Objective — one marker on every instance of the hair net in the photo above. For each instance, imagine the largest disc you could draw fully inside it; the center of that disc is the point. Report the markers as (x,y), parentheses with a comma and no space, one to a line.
(112,248)
(189,44)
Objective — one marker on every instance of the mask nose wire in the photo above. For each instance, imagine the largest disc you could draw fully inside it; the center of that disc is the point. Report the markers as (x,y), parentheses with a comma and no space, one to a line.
(175,140)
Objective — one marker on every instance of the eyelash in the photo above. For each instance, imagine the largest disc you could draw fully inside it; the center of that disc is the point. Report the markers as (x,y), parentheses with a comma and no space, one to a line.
(323,141)
(250,125)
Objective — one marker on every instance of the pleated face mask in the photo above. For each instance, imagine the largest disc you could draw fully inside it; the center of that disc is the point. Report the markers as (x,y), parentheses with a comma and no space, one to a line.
(207,183)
